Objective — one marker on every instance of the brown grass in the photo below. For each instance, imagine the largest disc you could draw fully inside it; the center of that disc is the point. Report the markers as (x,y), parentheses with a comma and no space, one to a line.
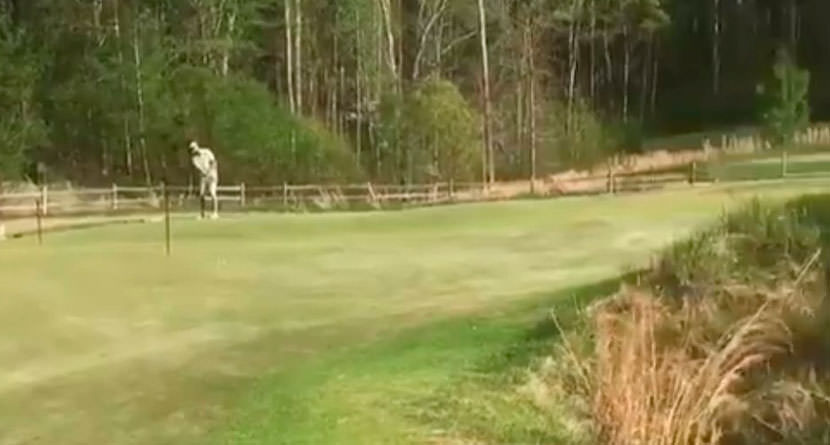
(649,392)
(723,342)
(667,375)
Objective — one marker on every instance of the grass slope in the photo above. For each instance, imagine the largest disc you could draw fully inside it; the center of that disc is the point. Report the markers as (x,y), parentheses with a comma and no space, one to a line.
(418,386)
(103,340)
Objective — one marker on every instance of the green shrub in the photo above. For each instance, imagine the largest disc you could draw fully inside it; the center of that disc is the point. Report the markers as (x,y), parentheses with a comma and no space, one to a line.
(784,107)
(442,132)
(258,139)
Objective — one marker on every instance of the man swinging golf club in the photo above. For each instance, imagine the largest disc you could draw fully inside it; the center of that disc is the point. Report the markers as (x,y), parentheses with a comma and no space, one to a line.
(205,163)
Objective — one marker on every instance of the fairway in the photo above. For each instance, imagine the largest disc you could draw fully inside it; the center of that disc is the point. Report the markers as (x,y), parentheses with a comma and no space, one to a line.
(104,340)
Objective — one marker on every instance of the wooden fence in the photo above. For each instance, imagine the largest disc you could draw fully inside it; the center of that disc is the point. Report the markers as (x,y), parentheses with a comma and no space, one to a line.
(51,201)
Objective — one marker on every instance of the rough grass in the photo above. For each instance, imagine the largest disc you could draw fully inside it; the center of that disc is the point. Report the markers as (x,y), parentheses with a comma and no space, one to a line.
(723,343)
(254,319)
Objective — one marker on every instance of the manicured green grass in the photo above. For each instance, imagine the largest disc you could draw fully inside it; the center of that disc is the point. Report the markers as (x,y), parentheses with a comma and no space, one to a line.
(281,326)
(418,386)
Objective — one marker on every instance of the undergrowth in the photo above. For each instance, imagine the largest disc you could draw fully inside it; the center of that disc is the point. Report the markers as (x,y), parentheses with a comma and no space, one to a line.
(723,341)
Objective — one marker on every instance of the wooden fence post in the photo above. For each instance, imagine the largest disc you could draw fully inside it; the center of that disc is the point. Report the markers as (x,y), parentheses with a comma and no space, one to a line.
(114,196)
(285,194)
(451,189)
(166,196)
(39,217)
(242,197)
(783,164)
(610,181)
(692,172)
(372,196)
(44,199)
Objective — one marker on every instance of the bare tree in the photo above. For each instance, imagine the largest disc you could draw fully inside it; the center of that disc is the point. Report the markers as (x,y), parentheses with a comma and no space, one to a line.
(435,13)
(489,168)
(289,56)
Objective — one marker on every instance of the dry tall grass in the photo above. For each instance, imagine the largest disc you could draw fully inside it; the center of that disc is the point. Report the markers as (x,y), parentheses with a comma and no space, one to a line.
(722,352)
(683,392)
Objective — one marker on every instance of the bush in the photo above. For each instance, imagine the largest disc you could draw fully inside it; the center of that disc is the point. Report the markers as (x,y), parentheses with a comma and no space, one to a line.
(442,132)
(587,142)
(258,139)
(627,137)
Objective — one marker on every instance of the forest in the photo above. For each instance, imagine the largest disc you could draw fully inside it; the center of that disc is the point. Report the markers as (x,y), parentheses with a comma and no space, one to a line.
(398,91)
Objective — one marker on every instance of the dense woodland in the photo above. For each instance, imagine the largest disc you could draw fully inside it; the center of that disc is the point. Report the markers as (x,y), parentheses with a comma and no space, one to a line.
(384,90)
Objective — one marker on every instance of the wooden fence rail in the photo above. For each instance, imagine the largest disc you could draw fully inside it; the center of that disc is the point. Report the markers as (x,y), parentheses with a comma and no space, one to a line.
(119,198)
(124,198)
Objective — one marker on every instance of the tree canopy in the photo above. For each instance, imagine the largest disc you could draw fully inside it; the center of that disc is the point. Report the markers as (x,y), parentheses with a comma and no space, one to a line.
(384,90)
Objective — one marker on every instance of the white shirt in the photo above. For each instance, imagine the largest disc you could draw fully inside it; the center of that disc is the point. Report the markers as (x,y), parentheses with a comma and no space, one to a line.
(204,161)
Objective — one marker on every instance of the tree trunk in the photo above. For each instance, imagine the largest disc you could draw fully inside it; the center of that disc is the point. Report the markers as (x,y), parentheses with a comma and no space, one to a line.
(573,48)
(439,45)
(128,143)
(298,54)
(655,79)
(337,87)
(485,70)
(97,8)
(593,57)
(341,118)
(609,66)
(626,73)
(226,50)
(644,80)
(520,84)
(532,112)
(376,17)
(425,32)
(139,92)
(358,93)
(390,37)
(793,29)
(289,57)
(716,62)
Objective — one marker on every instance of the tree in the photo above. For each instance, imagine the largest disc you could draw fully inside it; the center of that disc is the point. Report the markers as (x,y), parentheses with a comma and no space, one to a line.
(21,127)
(104,77)
(784,106)
(489,165)
(443,132)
